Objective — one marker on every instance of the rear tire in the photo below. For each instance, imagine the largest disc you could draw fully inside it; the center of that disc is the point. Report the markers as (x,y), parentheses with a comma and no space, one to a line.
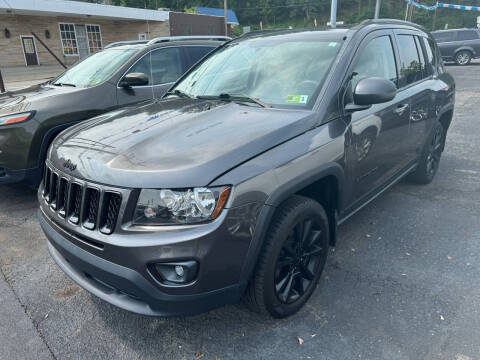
(292,259)
(430,158)
(463,57)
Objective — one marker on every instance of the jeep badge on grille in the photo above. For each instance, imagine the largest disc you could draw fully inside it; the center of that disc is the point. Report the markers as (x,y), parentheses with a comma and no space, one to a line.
(69,165)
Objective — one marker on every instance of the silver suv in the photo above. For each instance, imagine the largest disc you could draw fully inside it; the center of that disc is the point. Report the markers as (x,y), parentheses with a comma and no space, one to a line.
(459,45)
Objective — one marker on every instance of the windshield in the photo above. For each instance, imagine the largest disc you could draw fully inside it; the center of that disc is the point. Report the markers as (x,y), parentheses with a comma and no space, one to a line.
(281,71)
(95,69)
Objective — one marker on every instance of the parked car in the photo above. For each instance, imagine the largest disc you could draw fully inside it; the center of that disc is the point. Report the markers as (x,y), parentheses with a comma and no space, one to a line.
(459,45)
(120,75)
(233,185)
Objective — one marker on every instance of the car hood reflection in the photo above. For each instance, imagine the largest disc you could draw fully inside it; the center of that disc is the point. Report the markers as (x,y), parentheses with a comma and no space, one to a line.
(174,143)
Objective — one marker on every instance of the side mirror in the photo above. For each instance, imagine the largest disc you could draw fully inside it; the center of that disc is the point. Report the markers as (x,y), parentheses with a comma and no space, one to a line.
(134,79)
(372,90)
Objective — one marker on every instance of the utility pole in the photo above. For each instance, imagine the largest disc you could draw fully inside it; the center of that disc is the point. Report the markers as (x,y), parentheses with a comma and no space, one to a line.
(225,16)
(434,19)
(333,14)
(377,9)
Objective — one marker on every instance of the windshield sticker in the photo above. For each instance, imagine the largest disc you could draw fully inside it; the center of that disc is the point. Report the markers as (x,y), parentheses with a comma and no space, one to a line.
(297,99)
(333,43)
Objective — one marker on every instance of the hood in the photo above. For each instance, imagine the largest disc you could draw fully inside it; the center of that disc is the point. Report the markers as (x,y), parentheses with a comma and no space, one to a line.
(26,99)
(173,143)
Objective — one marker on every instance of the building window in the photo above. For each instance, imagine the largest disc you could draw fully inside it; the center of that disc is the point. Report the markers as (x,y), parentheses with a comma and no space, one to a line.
(69,41)
(142,36)
(94,38)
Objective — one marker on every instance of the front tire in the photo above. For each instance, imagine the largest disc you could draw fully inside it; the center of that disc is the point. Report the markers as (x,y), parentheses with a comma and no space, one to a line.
(292,259)
(430,158)
(463,58)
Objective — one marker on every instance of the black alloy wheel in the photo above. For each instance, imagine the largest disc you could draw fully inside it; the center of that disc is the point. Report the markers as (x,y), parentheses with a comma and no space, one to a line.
(292,259)
(435,151)
(298,261)
(429,161)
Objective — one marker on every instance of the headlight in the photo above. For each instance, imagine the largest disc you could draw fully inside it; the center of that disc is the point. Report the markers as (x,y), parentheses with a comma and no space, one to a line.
(15,118)
(188,206)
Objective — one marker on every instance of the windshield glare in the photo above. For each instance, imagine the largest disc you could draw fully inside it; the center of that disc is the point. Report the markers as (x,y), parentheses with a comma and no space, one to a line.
(95,69)
(277,72)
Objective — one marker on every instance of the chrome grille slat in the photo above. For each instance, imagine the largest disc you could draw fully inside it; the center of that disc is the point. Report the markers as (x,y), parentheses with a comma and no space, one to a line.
(82,204)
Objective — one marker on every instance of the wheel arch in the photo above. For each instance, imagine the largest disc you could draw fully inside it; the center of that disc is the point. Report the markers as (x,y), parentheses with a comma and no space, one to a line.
(331,174)
(465,48)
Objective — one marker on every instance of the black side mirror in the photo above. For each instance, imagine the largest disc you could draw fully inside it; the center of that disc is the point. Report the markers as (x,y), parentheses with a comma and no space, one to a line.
(372,90)
(134,79)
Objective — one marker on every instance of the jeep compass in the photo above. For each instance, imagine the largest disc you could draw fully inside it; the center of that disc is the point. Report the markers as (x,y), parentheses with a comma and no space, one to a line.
(232,186)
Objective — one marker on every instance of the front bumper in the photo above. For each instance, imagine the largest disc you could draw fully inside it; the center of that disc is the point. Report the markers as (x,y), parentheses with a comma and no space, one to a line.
(123,286)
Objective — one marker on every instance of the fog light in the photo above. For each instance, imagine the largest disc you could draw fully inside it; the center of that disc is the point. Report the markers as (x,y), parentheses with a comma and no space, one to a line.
(179,270)
(175,272)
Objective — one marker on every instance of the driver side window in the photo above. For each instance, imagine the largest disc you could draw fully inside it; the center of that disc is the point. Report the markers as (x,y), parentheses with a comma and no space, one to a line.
(376,60)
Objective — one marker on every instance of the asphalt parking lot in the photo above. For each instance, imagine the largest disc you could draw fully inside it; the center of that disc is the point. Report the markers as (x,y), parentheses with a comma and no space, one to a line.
(402,283)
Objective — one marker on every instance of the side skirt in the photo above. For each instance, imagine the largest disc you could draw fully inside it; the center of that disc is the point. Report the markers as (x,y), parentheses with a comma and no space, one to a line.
(383,189)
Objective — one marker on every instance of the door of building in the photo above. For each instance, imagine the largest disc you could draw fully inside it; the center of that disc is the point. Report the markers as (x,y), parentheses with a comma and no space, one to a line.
(30,51)
(82,41)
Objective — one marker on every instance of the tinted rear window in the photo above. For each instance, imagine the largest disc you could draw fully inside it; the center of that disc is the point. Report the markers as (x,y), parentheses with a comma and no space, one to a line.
(410,65)
(467,35)
(197,52)
(444,36)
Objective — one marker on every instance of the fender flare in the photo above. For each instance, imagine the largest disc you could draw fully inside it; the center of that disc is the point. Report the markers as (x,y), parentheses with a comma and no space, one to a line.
(49,136)
(274,200)
(465,48)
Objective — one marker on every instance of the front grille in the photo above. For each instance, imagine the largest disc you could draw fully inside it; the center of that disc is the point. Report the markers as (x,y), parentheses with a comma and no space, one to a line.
(75,203)
(90,210)
(62,197)
(81,203)
(46,184)
(53,191)
(112,202)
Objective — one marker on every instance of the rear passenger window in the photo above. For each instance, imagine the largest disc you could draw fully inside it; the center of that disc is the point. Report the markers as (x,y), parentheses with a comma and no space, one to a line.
(444,36)
(422,57)
(197,52)
(410,65)
(376,60)
(467,35)
(431,60)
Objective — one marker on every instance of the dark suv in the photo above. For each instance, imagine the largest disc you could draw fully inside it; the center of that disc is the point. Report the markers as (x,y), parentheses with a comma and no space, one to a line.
(120,75)
(459,45)
(233,185)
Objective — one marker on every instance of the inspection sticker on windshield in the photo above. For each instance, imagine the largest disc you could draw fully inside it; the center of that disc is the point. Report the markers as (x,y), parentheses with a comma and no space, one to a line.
(297,99)
(333,43)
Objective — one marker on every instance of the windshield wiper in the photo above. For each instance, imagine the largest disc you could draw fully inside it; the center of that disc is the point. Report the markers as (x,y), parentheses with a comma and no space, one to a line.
(179,93)
(64,84)
(234,97)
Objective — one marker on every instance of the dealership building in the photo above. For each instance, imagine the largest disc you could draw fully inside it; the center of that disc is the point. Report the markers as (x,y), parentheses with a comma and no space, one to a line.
(36,32)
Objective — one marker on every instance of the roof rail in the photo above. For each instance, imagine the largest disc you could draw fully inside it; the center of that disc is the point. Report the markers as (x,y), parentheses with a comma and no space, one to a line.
(389,21)
(193,37)
(128,42)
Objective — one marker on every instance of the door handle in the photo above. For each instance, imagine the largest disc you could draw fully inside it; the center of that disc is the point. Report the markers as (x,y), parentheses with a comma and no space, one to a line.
(401,108)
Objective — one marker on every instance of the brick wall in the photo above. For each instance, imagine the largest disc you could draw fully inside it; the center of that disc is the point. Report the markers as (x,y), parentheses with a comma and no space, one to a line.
(11,53)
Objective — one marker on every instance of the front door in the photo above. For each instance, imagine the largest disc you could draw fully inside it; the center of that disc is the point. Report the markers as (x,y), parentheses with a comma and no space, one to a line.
(82,42)
(30,51)
(378,149)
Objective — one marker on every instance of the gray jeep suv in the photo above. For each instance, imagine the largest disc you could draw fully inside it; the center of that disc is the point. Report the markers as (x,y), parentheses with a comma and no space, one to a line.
(233,185)
(459,45)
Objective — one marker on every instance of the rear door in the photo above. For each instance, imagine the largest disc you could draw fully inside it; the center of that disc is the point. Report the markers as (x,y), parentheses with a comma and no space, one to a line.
(378,134)
(162,67)
(470,38)
(447,43)
(416,82)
